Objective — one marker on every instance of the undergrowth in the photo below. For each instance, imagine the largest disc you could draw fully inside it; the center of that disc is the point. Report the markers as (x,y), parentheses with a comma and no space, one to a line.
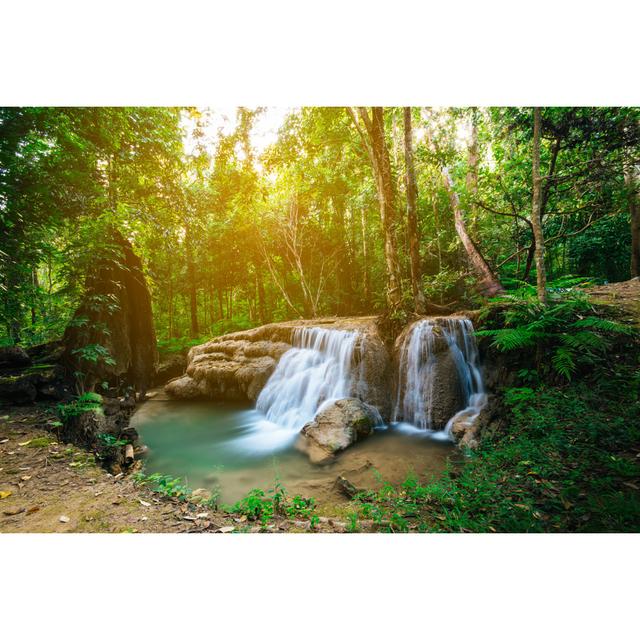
(566,336)
(565,462)
(263,507)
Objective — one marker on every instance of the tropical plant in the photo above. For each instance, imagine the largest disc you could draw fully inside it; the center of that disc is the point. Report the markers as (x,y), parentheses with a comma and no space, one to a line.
(568,328)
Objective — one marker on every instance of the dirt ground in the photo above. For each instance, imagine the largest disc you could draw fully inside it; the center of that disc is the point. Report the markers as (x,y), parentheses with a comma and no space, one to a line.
(624,295)
(56,487)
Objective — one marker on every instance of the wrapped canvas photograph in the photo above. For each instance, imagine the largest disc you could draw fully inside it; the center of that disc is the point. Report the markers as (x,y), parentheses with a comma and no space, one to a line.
(316,308)
(320,319)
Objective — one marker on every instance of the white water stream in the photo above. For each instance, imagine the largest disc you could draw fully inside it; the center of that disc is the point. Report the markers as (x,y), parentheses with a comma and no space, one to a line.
(417,370)
(315,372)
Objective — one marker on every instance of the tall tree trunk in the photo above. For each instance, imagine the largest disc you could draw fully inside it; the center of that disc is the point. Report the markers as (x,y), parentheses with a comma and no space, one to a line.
(536,219)
(412,216)
(191,277)
(212,303)
(378,151)
(220,305)
(531,252)
(170,303)
(365,257)
(262,309)
(342,257)
(472,177)
(35,285)
(436,225)
(488,283)
(631,183)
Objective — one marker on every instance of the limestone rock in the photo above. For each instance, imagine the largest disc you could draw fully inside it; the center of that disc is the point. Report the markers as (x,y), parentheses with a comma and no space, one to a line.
(26,385)
(17,389)
(337,427)
(185,388)
(171,367)
(447,397)
(237,366)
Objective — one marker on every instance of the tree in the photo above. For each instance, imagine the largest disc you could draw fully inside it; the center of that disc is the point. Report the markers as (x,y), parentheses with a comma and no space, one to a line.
(536,204)
(371,128)
(488,283)
(631,183)
(412,216)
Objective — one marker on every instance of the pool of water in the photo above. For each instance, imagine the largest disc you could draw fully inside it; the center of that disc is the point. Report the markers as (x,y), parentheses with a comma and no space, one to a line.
(233,448)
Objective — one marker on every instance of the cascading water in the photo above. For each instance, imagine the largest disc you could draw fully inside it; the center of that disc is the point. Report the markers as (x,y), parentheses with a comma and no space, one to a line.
(316,371)
(417,371)
(415,377)
(463,347)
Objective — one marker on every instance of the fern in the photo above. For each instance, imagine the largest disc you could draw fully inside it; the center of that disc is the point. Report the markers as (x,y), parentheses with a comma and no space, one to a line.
(567,327)
(564,362)
(509,339)
(603,324)
(584,340)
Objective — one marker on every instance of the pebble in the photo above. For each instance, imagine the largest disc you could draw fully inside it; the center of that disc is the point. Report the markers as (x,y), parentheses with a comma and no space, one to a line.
(63,519)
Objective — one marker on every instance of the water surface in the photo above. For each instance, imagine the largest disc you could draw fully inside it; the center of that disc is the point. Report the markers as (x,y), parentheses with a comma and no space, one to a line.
(234,448)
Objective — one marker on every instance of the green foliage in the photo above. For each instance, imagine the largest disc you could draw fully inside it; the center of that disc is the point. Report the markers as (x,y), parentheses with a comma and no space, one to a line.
(568,329)
(258,505)
(564,462)
(86,402)
(262,506)
(300,508)
(352,523)
(230,238)
(165,485)
(177,345)
(94,353)
(110,441)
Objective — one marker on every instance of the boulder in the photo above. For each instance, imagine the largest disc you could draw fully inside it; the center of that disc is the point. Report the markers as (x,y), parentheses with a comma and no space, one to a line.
(337,427)
(18,389)
(13,357)
(374,379)
(185,388)
(170,367)
(447,396)
(47,352)
(38,382)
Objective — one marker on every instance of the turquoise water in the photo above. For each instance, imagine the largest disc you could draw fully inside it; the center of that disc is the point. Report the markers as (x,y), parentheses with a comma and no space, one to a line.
(233,448)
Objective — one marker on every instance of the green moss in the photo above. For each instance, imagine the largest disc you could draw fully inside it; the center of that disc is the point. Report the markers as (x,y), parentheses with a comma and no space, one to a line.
(41,442)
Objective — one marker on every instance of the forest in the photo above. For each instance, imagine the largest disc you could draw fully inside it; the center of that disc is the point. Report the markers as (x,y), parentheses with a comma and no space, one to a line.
(349,211)
(351,274)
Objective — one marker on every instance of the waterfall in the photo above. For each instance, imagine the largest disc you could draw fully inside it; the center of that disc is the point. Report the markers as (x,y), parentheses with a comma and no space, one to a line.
(415,377)
(417,371)
(316,371)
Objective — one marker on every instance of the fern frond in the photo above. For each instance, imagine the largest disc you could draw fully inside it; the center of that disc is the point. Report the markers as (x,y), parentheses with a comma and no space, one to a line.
(584,340)
(603,324)
(516,338)
(564,362)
